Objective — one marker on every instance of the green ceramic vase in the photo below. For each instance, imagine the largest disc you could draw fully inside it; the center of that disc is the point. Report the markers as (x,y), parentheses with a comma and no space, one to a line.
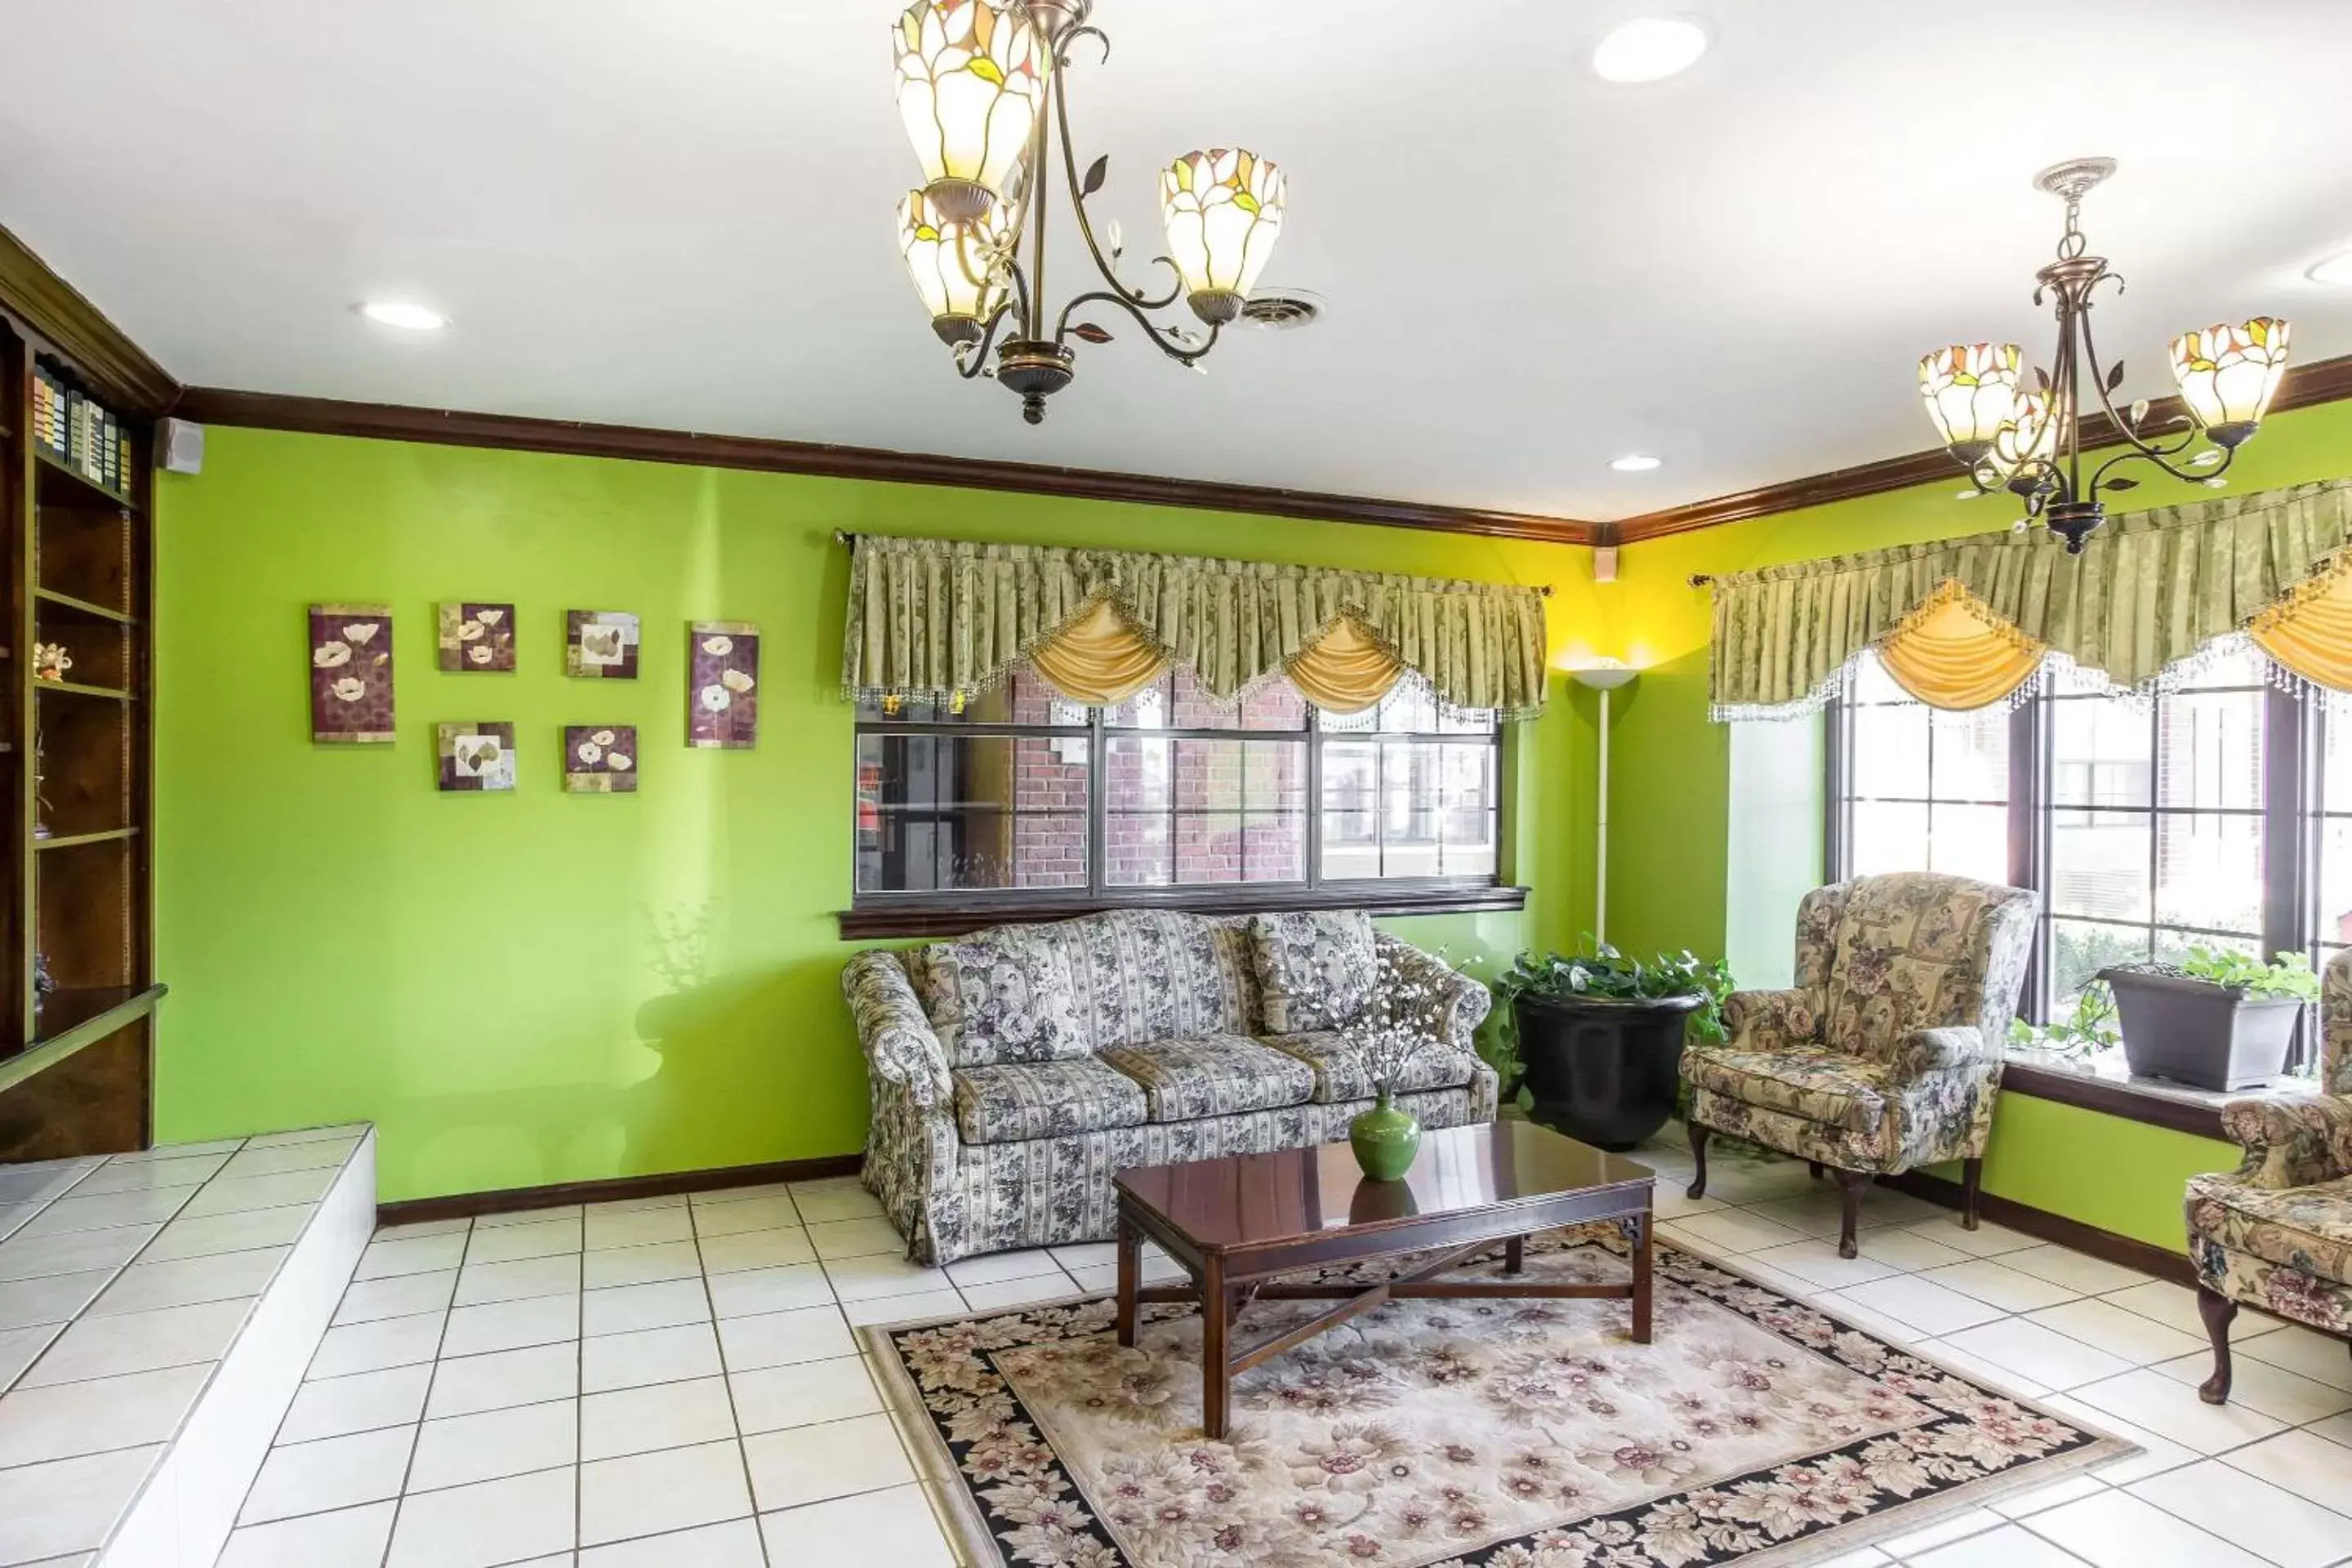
(1386,1140)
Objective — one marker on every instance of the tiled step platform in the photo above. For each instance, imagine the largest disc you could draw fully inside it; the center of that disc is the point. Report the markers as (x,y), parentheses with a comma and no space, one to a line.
(156,1313)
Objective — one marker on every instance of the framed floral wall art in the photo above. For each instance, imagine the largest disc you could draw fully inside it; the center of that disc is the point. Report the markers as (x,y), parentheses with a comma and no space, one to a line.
(479,638)
(351,674)
(600,643)
(476,757)
(722,685)
(600,759)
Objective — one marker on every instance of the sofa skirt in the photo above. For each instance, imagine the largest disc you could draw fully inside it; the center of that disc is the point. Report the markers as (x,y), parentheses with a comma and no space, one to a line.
(972,1199)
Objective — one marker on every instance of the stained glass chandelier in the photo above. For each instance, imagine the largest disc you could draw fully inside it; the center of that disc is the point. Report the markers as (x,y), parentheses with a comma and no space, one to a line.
(980,91)
(2030,442)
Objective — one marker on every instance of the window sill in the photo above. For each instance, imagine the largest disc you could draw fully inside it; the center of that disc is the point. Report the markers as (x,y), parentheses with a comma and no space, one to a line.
(961,914)
(2104,1083)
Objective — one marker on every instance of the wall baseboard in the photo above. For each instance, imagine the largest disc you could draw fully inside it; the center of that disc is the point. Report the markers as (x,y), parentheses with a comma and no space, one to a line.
(510,1199)
(2122,1250)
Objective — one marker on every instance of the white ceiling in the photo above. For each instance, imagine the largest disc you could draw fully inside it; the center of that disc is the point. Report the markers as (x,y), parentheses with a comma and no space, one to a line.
(680,216)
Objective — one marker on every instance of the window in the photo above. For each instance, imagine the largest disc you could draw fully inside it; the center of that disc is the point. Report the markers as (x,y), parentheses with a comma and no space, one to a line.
(2151,828)
(1170,796)
(2156,822)
(2329,916)
(1924,790)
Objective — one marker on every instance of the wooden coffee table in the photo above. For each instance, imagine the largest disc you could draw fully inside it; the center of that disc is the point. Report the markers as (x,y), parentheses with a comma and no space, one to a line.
(1235,1223)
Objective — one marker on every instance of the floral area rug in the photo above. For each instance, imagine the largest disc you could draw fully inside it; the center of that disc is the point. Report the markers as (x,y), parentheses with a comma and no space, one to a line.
(1523,1434)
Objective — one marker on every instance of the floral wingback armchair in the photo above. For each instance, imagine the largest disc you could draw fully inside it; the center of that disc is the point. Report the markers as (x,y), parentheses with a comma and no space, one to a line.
(1886,1054)
(2277,1231)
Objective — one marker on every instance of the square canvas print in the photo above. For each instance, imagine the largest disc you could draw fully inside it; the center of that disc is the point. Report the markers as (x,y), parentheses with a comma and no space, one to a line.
(476,757)
(600,759)
(479,637)
(600,643)
(722,679)
(351,674)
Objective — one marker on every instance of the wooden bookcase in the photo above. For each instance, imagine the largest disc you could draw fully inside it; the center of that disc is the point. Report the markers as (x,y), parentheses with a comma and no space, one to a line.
(77,1063)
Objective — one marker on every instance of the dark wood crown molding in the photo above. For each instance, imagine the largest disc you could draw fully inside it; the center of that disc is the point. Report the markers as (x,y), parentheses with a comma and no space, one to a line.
(389,422)
(2326,381)
(52,309)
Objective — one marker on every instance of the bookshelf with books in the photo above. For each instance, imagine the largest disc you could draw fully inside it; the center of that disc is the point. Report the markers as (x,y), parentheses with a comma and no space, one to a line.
(78,994)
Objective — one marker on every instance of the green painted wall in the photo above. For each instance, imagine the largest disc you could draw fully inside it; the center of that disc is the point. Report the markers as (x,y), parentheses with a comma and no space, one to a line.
(1677,828)
(538,987)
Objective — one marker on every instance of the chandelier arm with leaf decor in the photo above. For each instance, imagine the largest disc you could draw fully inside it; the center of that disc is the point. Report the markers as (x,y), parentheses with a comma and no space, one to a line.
(980,91)
(2031,443)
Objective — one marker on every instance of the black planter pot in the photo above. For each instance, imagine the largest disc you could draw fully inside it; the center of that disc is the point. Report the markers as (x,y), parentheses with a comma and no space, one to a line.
(1603,1072)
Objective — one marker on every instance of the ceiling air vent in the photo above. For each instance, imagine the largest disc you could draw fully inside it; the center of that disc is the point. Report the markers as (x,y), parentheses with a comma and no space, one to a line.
(1283,310)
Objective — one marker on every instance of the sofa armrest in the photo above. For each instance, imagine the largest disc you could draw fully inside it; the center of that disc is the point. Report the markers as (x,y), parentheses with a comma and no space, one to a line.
(2291,1140)
(1459,1003)
(900,1046)
(1923,1053)
(1769,1020)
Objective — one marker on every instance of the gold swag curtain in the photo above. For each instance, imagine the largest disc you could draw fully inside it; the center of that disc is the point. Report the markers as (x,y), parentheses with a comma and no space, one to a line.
(931,617)
(2150,589)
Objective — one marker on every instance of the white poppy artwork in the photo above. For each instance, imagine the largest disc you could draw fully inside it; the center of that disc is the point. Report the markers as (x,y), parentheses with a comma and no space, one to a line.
(351,674)
(600,759)
(477,757)
(599,644)
(722,685)
(478,638)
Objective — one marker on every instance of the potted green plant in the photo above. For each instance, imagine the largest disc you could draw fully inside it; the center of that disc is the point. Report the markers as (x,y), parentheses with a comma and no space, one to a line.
(2215,1020)
(1599,1037)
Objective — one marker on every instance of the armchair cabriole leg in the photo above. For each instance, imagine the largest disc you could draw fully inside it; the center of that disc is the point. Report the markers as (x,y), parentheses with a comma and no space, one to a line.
(1971,1191)
(1815,1167)
(1850,1183)
(2216,1309)
(1698,1159)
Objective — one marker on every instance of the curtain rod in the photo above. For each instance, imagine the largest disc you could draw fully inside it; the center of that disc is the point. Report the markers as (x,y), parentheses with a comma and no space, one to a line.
(842,536)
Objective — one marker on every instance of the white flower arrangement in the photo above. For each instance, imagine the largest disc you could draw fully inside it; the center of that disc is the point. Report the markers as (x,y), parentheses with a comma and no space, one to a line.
(1392,1033)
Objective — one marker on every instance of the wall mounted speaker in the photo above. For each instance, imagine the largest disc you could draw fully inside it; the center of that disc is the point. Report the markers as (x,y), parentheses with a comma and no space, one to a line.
(180,446)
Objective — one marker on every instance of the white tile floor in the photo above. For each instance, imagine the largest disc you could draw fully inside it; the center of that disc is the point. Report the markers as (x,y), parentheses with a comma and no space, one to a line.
(675,1383)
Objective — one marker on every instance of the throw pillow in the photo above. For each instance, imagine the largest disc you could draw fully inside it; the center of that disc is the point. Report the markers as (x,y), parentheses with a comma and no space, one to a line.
(994,1002)
(1315,971)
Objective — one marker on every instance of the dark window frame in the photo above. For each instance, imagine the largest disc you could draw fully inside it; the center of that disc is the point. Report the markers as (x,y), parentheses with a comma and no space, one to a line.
(936,912)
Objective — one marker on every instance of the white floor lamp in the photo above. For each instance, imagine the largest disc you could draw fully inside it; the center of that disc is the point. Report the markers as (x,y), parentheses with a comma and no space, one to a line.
(1605,676)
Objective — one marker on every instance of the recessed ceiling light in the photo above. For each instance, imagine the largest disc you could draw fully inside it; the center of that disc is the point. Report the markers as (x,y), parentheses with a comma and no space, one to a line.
(2337,268)
(1650,48)
(407,315)
(1635,463)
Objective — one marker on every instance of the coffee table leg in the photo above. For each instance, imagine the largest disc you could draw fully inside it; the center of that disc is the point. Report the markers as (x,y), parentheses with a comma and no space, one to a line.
(1130,1272)
(1515,1254)
(1216,1357)
(1642,1280)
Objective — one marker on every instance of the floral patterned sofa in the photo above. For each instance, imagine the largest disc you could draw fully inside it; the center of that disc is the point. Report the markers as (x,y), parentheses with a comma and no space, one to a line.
(1887,1052)
(2277,1231)
(1013,1071)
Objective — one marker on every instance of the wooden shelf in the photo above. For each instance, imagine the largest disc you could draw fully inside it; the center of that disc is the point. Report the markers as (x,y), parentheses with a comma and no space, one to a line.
(68,840)
(74,1019)
(76,689)
(76,1066)
(83,608)
(90,490)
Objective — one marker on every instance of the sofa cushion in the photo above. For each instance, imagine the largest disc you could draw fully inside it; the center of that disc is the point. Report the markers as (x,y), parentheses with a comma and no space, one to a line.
(1139,976)
(1014,1103)
(1002,997)
(1218,1075)
(1813,1082)
(1340,1075)
(2307,1228)
(1316,969)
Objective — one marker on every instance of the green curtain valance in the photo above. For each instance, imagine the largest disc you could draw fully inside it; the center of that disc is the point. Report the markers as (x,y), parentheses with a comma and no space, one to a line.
(2150,589)
(930,617)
